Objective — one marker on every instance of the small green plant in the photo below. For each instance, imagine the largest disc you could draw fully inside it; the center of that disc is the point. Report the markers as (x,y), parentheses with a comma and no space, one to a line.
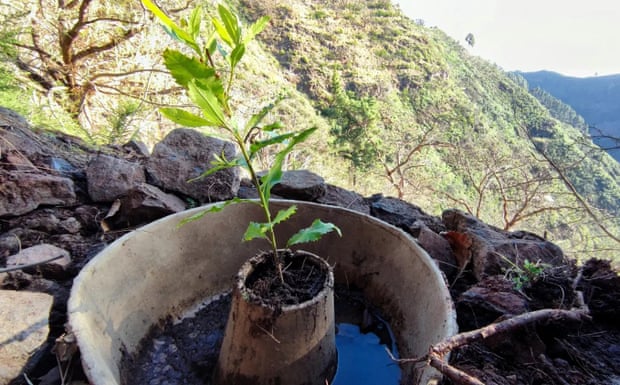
(528,273)
(208,83)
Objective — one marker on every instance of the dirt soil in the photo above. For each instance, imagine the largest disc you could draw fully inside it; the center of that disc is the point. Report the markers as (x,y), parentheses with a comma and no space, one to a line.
(302,279)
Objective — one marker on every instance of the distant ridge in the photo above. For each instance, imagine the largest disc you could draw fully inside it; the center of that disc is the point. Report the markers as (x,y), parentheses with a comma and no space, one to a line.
(596,98)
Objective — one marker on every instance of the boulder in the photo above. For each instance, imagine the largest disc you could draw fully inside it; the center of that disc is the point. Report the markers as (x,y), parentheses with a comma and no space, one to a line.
(18,144)
(489,299)
(185,154)
(143,204)
(23,329)
(110,178)
(407,216)
(338,196)
(36,256)
(300,184)
(25,150)
(439,249)
(23,192)
(494,250)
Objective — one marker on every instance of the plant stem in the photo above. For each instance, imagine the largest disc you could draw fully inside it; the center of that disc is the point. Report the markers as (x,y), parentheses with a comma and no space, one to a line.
(264,202)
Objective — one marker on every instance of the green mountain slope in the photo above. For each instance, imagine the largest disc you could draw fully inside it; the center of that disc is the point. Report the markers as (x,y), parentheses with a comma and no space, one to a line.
(413,114)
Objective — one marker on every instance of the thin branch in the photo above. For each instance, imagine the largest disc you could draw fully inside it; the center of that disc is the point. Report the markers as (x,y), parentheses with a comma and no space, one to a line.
(437,352)
(105,47)
(580,199)
(20,267)
(124,74)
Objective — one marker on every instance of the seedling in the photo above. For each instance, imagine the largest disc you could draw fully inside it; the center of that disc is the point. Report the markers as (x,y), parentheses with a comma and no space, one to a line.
(525,275)
(209,88)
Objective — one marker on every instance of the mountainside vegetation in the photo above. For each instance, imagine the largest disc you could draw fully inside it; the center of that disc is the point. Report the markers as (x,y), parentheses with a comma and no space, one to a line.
(400,108)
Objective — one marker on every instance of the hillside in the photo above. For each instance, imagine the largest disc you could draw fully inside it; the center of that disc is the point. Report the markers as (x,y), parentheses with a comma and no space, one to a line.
(440,127)
(402,109)
(594,98)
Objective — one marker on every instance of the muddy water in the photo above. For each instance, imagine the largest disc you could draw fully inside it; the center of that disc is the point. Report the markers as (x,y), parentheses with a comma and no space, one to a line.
(185,351)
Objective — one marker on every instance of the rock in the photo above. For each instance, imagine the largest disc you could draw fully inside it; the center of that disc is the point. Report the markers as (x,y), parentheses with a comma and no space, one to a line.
(10,118)
(9,244)
(439,249)
(600,284)
(110,178)
(23,192)
(488,300)
(70,226)
(300,184)
(55,153)
(402,214)
(493,250)
(461,221)
(64,168)
(37,255)
(337,196)
(137,147)
(23,329)
(185,154)
(145,203)
(248,191)
(18,145)
(88,217)
(46,221)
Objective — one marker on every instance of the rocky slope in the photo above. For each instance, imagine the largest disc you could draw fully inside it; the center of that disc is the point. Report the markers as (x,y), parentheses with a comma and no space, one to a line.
(62,199)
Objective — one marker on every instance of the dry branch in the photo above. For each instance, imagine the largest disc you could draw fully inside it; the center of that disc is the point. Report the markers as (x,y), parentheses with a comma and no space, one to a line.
(437,352)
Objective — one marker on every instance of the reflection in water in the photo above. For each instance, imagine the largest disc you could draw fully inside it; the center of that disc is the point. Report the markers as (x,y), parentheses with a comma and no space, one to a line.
(362,359)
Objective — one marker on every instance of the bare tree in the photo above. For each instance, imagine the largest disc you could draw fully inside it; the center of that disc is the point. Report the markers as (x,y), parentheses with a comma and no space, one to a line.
(520,189)
(399,160)
(80,51)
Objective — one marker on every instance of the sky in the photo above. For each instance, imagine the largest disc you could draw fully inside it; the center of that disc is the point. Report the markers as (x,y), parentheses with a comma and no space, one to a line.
(572,37)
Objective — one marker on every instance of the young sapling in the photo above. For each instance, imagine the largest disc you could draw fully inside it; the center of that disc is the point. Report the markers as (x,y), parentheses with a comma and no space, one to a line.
(208,83)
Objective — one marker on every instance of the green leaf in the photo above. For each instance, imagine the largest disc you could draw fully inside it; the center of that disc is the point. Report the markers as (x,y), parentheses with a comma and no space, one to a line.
(214,85)
(208,102)
(194,22)
(258,145)
(211,43)
(184,68)
(218,164)
(223,34)
(284,214)
(313,233)
(255,120)
(192,218)
(213,209)
(272,127)
(185,118)
(256,28)
(256,230)
(272,178)
(236,55)
(274,175)
(171,25)
(231,23)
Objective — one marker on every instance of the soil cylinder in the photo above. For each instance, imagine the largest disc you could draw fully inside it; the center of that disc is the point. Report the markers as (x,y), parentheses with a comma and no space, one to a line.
(271,344)
(161,270)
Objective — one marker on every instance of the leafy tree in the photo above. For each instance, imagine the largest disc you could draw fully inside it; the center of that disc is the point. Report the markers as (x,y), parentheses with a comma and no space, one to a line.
(470,39)
(355,126)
